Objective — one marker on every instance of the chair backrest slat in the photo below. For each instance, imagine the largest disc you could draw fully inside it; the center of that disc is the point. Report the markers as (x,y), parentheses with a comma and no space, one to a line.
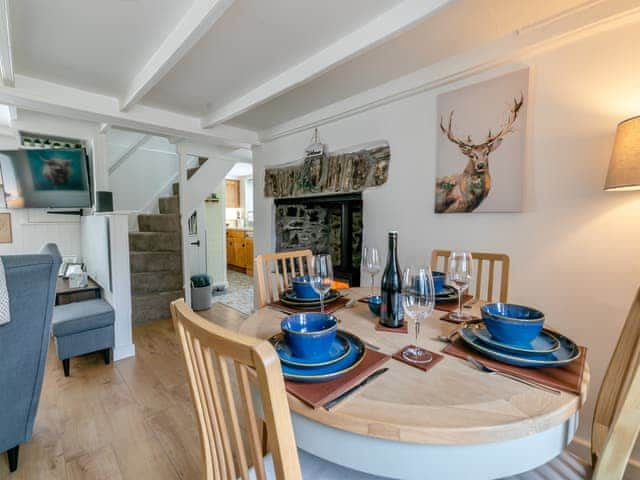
(273,272)
(238,444)
(251,420)
(616,421)
(440,260)
(492,265)
(208,350)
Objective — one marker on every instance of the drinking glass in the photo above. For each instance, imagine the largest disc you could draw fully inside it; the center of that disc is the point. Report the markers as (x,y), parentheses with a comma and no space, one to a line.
(321,276)
(371,263)
(418,301)
(459,277)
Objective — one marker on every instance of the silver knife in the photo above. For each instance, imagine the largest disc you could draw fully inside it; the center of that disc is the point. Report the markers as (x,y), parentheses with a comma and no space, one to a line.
(338,399)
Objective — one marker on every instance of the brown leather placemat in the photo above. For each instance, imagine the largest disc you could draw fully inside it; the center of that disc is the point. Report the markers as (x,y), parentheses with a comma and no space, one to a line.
(422,366)
(403,329)
(567,378)
(453,305)
(450,319)
(317,394)
(329,308)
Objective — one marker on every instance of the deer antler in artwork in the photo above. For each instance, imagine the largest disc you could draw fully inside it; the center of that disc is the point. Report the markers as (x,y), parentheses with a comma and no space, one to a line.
(508,127)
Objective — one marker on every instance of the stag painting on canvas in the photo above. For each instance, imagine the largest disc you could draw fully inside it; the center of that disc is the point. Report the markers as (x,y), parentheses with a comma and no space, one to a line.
(481,146)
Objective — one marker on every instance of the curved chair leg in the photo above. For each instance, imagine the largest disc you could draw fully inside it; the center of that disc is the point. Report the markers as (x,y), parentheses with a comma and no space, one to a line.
(13,458)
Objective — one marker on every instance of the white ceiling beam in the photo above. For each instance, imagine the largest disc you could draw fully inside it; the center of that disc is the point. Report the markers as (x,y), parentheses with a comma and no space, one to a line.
(130,151)
(6,57)
(387,25)
(506,53)
(193,25)
(55,99)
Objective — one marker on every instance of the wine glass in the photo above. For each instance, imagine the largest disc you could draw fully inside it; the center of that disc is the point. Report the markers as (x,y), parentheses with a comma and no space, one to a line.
(321,276)
(418,301)
(459,277)
(371,263)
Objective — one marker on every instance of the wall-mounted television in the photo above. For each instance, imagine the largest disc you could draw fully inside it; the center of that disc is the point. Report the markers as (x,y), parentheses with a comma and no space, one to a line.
(45,178)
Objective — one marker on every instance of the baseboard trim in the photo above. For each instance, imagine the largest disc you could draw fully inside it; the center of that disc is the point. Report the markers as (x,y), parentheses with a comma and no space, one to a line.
(124,351)
(580,447)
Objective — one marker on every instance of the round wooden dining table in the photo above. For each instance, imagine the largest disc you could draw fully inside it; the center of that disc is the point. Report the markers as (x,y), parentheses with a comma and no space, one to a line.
(452,422)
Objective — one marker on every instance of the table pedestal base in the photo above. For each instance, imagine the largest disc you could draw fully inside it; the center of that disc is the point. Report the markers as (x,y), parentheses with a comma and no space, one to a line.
(402,460)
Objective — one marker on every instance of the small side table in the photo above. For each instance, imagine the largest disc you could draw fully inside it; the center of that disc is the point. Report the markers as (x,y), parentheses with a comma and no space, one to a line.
(65,294)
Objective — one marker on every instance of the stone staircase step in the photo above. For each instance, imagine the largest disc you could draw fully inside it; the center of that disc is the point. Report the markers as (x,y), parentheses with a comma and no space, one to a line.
(155,242)
(156,262)
(163,222)
(147,308)
(169,204)
(175,188)
(191,172)
(155,282)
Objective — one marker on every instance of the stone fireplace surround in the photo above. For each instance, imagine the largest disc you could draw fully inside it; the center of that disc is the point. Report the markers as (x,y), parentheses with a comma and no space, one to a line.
(324,224)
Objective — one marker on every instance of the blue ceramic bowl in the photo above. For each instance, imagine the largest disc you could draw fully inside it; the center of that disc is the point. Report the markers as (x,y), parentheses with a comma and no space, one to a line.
(375,303)
(438,282)
(304,290)
(512,324)
(309,334)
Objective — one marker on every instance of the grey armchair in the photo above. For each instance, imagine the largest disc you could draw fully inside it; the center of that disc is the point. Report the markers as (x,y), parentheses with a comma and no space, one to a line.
(31,284)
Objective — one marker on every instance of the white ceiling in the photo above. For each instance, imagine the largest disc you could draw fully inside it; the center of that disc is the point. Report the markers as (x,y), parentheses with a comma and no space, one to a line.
(254,41)
(240,169)
(96,45)
(199,63)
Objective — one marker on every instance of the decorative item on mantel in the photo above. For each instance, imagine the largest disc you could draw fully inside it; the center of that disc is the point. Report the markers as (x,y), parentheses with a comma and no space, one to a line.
(348,170)
(624,166)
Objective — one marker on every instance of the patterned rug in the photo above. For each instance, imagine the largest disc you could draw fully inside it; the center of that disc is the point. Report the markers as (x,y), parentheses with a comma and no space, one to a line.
(239,293)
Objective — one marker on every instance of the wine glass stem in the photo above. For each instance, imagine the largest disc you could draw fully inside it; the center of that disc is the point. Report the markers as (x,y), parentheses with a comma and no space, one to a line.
(460,302)
(373,282)
(321,303)
(417,331)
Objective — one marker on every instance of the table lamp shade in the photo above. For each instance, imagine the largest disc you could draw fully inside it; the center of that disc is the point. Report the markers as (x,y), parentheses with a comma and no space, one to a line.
(624,166)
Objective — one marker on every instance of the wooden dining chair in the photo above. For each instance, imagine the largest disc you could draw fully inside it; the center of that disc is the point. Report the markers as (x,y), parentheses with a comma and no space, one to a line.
(616,421)
(274,271)
(480,259)
(219,362)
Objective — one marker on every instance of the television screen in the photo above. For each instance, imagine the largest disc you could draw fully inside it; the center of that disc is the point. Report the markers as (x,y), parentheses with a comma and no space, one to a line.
(45,178)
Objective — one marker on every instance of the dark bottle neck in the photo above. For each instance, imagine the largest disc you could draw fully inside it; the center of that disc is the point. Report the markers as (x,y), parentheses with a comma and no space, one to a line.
(392,253)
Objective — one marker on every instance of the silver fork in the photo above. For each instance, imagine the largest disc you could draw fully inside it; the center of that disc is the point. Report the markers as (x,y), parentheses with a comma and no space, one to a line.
(484,368)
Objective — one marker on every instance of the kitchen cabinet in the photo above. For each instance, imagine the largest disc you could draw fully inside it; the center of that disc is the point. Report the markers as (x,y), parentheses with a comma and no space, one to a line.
(232,193)
(240,250)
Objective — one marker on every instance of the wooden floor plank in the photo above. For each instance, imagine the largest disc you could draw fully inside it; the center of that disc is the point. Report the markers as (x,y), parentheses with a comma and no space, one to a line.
(177,431)
(98,465)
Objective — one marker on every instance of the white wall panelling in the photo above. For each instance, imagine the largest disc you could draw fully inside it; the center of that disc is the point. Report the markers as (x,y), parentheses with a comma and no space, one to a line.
(120,294)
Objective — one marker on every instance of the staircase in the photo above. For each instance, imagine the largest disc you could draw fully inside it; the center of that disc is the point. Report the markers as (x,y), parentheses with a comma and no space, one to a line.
(155,252)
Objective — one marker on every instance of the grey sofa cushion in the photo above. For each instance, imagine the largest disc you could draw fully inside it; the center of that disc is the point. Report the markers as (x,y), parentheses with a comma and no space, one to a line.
(81,316)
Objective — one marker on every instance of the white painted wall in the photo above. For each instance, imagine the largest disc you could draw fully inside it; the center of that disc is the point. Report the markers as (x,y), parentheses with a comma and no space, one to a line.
(574,250)
(216,239)
(143,177)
